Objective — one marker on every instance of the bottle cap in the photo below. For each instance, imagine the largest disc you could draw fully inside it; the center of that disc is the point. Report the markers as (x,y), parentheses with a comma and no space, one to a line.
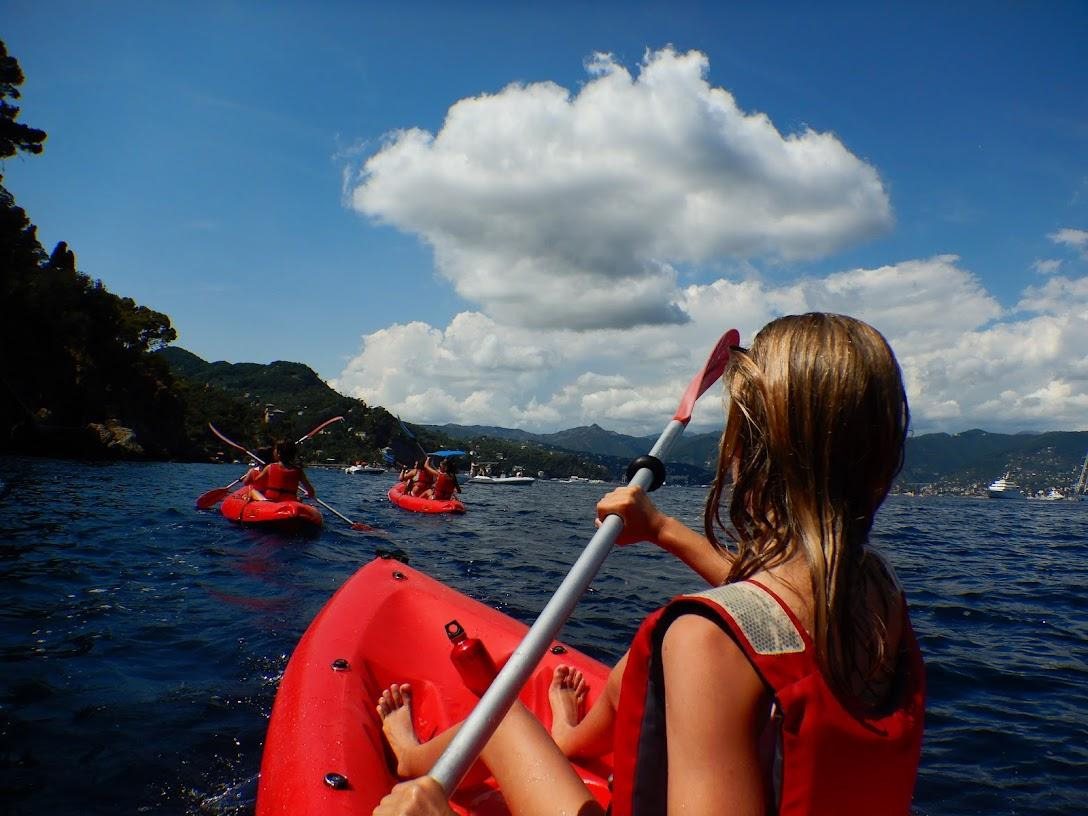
(454,630)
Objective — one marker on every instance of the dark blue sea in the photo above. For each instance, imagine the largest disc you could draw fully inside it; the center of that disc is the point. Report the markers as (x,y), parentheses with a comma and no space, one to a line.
(141,640)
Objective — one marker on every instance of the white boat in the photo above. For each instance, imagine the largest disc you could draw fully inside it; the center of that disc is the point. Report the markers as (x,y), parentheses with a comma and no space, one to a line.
(490,473)
(513,481)
(1004,488)
(1053,495)
(364,469)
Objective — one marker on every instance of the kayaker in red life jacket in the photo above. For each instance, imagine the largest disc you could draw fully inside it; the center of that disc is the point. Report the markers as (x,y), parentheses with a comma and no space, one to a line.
(445,481)
(423,477)
(795,685)
(408,475)
(280,480)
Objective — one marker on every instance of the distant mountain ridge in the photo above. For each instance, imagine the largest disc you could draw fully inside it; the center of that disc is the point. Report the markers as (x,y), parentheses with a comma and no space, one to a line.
(934,463)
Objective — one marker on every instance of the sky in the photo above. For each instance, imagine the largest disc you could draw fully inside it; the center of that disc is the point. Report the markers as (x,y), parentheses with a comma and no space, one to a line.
(542,216)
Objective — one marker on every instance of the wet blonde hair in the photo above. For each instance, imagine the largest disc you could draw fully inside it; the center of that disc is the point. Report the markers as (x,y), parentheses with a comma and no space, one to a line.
(817,421)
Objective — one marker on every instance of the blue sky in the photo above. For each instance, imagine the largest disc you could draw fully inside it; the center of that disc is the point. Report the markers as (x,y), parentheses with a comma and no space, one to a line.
(542,217)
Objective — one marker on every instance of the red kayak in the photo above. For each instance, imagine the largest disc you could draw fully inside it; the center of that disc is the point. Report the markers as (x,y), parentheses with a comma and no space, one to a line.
(291,514)
(324,752)
(421,505)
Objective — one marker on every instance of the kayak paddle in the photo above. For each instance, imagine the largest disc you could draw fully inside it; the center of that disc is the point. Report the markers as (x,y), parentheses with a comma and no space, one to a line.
(647,472)
(355,525)
(412,436)
(213,497)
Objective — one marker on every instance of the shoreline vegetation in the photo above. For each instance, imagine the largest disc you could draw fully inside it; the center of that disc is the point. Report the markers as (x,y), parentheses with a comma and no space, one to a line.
(88,374)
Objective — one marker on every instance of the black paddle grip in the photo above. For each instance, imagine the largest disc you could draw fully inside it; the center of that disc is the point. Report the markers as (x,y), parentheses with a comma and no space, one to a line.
(651,463)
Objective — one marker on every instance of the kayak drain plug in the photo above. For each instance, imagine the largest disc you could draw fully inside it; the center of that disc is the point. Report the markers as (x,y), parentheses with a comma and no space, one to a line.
(336,781)
(340,664)
(558,650)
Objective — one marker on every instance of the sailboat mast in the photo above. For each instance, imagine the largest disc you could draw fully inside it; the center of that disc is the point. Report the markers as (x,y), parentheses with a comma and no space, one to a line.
(1082,482)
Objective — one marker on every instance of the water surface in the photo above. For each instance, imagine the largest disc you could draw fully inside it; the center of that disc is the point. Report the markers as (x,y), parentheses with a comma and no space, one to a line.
(141,640)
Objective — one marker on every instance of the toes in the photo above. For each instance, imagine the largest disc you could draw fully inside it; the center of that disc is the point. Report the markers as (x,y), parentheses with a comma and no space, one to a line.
(393,698)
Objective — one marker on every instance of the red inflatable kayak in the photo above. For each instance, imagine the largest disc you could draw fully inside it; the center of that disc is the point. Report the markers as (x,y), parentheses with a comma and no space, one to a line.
(324,753)
(420,505)
(293,514)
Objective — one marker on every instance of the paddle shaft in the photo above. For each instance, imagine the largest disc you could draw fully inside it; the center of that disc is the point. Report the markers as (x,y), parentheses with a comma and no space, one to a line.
(496,701)
(336,512)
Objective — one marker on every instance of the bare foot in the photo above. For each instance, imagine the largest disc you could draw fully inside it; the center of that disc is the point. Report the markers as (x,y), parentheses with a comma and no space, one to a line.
(395,709)
(566,694)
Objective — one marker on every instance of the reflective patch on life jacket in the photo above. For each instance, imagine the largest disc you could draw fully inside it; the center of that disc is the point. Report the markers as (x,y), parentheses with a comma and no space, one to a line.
(762,621)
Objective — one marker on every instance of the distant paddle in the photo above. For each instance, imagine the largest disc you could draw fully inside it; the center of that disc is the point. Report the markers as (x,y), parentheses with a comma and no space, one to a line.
(355,525)
(411,436)
(213,497)
(648,473)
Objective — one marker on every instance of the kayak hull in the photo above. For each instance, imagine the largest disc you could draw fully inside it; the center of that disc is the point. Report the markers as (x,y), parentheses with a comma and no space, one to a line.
(420,505)
(284,514)
(387,625)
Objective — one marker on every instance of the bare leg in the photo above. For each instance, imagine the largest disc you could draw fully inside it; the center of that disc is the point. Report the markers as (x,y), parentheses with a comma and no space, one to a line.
(534,776)
(414,758)
(592,735)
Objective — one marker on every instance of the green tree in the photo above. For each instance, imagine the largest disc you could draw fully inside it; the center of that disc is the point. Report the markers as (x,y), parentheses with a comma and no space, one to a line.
(14,136)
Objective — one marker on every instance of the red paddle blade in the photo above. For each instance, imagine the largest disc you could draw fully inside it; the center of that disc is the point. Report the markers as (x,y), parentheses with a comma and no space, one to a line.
(319,429)
(715,366)
(211,498)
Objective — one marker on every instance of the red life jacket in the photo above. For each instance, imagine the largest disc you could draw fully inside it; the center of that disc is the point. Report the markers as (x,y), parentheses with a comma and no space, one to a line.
(828,760)
(282,483)
(444,485)
(423,480)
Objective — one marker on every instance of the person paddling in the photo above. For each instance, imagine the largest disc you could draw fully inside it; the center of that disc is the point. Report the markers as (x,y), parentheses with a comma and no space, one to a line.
(795,685)
(410,475)
(280,480)
(422,478)
(445,481)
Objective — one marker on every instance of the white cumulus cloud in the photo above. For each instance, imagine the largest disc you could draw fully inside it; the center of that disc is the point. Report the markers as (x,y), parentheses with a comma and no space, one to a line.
(967,363)
(557,210)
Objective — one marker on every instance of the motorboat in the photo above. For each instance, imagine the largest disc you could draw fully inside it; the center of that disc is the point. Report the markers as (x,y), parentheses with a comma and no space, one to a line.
(353,469)
(488,473)
(1053,495)
(513,481)
(1004,488)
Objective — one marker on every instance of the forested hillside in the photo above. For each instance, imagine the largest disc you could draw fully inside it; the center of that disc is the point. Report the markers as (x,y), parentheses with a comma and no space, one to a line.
(76,375)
